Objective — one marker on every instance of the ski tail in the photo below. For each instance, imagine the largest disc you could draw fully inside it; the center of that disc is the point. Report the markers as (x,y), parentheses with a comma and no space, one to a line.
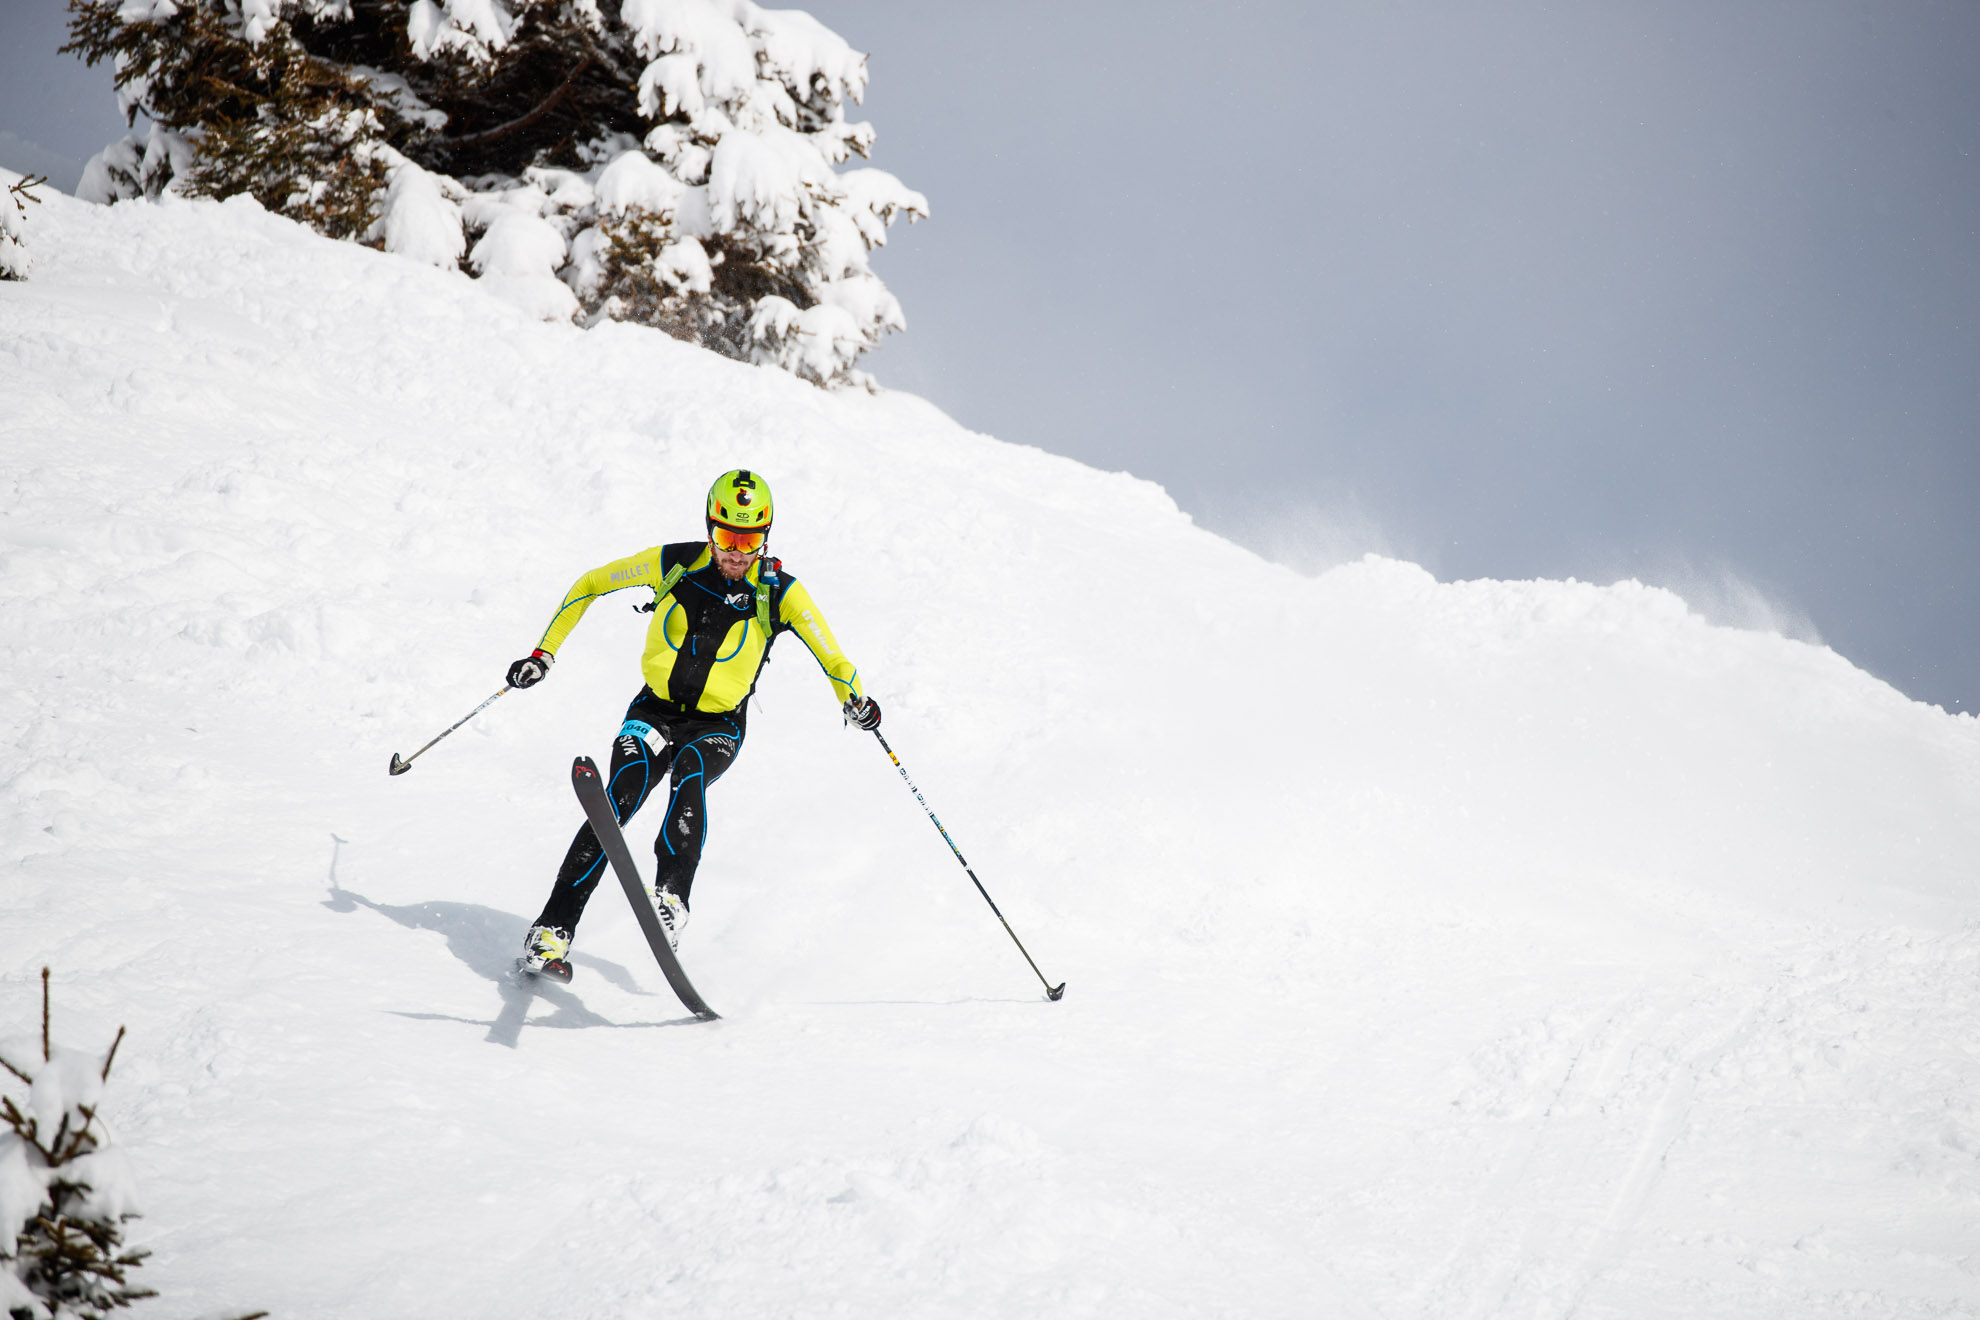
(590,789)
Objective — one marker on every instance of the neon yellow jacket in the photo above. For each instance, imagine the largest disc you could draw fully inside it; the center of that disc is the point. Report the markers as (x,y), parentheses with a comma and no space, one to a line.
(704,648)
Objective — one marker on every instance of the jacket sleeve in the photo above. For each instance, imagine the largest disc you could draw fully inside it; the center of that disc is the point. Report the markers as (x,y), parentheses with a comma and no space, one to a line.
(641,570)
(801,615)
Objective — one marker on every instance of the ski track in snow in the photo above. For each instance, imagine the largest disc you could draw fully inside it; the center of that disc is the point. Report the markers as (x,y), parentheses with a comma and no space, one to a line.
(1434,950)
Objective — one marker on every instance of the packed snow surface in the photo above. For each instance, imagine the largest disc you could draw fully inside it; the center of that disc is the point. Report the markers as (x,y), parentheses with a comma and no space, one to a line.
(1434,949)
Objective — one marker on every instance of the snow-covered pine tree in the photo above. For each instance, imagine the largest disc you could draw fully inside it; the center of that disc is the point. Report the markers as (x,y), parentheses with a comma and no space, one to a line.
(14,259)
(64,1189)
(672,162)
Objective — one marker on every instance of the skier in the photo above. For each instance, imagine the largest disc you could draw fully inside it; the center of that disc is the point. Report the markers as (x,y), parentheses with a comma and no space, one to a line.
(718,605)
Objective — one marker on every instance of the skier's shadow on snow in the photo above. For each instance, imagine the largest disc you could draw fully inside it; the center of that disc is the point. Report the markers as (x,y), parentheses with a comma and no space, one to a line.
(486,940)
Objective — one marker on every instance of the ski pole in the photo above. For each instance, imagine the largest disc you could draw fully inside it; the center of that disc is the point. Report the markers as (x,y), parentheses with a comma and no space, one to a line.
(399,767)
(1051,991)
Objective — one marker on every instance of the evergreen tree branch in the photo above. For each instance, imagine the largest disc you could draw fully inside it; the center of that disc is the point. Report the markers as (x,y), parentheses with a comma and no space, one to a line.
(81,1141)
(517,125)
(111,1057)
(25,1126)
(605,56)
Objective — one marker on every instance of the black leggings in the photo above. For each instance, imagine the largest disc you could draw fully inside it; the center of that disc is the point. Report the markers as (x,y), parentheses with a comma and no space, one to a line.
(694,750)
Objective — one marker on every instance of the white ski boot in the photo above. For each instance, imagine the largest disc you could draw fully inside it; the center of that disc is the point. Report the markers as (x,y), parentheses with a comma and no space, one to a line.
(546,953)
(673,915)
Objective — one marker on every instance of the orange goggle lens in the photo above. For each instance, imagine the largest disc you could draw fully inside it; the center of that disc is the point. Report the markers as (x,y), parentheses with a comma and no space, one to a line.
(728,538)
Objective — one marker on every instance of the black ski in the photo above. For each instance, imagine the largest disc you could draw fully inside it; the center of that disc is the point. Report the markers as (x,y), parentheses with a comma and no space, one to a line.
(598,809)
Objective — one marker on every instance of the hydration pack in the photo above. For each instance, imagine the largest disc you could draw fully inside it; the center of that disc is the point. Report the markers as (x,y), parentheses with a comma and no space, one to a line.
(767,583)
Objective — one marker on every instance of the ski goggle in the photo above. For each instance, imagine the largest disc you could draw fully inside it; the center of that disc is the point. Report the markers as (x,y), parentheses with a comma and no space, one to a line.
(728,538)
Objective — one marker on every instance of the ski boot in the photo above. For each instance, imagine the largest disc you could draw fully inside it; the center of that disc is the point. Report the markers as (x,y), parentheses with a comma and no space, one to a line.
(546,953)
(673,914)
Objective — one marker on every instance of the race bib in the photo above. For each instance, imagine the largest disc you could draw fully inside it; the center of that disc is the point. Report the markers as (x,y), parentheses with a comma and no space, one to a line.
(645,732)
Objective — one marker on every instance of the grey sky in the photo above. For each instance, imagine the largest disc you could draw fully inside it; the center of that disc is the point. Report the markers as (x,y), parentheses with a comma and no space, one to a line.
(1684,291)
(1681,291)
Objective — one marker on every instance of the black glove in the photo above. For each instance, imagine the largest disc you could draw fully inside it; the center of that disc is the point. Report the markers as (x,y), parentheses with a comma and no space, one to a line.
(530,670)
(865,712)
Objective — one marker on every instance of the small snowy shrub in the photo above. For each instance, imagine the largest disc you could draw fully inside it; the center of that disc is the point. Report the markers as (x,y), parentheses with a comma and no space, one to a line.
(65,1191)
(14,261)
(670,162)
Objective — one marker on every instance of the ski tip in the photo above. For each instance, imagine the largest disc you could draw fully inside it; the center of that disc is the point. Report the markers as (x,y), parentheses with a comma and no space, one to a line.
(1055,992)
(399,767)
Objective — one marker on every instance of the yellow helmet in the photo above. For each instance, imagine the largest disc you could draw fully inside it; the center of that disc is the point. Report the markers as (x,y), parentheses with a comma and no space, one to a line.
(739,512)
(740,500)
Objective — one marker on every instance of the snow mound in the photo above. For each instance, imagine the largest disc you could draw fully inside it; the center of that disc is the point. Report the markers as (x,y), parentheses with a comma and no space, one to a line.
(1432,948)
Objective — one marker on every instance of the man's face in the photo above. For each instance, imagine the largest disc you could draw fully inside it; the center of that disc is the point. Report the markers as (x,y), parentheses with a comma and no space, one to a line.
(733,563)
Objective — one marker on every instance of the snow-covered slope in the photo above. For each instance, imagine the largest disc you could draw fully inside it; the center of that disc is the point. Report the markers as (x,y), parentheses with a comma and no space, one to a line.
(1525,949)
